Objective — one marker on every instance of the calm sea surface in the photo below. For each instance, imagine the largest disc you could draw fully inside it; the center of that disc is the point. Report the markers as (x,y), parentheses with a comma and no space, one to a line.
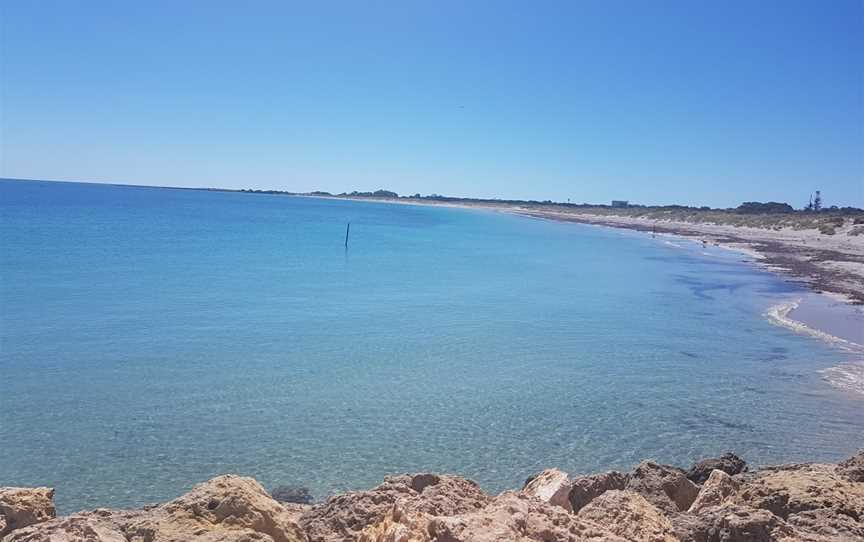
(153,338)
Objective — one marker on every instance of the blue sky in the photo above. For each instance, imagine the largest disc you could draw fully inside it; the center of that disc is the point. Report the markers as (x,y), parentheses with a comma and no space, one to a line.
(691,102)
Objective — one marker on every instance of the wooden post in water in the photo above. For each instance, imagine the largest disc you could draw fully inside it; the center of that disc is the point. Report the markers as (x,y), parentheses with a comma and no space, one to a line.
(348,229)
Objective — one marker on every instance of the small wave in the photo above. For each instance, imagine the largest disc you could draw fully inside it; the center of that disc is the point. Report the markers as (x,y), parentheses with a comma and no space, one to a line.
(847,376)
(779,315)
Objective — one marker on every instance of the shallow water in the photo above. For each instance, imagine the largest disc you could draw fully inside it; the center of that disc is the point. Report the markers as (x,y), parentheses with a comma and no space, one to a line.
(153,338)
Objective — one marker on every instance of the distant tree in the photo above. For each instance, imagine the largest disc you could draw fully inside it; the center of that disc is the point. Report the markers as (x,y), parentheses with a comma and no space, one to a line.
(817,201)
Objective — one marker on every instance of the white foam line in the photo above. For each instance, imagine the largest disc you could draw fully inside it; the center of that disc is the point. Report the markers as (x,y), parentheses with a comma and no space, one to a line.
(779,315)
(847,376)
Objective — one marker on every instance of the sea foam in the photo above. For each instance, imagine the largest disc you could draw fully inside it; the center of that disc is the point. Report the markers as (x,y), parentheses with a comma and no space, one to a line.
(847,376)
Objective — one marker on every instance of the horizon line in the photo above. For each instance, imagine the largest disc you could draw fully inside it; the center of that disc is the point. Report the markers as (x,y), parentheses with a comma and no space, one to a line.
(398,196)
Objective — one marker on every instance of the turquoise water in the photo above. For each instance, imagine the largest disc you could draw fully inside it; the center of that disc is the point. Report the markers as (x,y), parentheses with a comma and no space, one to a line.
(153,338)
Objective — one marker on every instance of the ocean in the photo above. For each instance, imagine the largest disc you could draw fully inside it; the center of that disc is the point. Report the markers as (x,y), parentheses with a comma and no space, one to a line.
(153,338)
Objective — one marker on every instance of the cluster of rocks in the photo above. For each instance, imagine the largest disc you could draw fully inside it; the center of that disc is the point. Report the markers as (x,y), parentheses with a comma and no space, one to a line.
(717,500)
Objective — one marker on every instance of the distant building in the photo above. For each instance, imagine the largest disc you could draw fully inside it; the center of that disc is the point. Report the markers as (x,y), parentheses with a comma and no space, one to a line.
(620,203)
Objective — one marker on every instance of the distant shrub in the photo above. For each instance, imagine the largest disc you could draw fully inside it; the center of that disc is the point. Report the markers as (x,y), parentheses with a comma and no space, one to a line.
(857,230)
(859,220)
(755,207)
(827,229)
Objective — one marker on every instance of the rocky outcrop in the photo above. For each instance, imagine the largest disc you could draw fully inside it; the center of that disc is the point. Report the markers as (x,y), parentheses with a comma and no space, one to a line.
(21,507)
(793,489)
(95,526)
(630,516)
(827,524)
(510,517)
(853,468)
(652,503)
(664,486)
(343,517)
(729,463)
(585,488)
(732,523)
(515,517)
(227,509)
(552,486)
(220,506)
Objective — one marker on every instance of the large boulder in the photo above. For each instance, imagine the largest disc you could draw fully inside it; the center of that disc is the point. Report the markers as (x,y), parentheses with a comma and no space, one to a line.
(630,516)
(719,489)
(792,489)
(224,504)
(729,463)
(225,509)
(586,488)
(664,486)
(853,468)
(552,486)
(343,517)
(24,506)
(514,517)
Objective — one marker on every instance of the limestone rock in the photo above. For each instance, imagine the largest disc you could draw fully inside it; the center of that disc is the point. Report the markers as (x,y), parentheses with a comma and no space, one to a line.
(514,517)
(853,468)
(719,489)
(732,523)
(24,506)
(294,510)
(792,489)
(224,504)
(665,487)
(398,526)
(729,463)
(586,488)
(95,526)
(225,509)
(827,524)
(552,486)
(343,517)
(629,515)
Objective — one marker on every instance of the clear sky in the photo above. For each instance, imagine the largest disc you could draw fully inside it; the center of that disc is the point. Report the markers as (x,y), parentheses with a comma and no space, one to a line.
(696,102)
